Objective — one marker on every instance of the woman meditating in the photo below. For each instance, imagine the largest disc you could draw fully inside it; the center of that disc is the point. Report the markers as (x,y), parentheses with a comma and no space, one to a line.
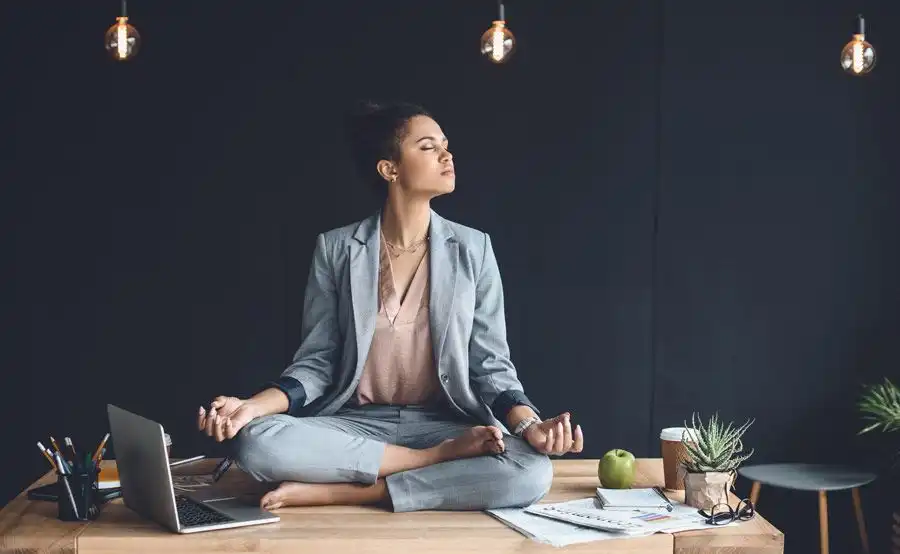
(402,392)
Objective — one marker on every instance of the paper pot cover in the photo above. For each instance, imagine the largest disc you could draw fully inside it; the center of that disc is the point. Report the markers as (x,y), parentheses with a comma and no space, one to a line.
(705,490)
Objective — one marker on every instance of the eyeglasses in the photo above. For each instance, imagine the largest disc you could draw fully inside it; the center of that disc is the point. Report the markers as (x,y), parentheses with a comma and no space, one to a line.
(723,513)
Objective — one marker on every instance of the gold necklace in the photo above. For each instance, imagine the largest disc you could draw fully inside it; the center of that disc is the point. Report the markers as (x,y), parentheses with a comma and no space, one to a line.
(396,251)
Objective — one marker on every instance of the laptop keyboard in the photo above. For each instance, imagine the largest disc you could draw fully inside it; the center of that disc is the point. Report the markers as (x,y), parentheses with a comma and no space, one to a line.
(192,513)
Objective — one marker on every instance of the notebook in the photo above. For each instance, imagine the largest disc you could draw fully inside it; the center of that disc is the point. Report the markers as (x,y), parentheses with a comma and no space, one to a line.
(108,478)
(633,499)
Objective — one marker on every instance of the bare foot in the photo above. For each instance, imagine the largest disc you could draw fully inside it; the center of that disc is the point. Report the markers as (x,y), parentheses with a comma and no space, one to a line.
(477,441)
(290,493)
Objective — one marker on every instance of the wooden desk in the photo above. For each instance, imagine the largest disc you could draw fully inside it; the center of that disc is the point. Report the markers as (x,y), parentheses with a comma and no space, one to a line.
(31,526)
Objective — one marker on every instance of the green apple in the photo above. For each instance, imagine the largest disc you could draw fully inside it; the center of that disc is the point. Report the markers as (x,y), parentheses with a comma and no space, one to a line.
(616,469)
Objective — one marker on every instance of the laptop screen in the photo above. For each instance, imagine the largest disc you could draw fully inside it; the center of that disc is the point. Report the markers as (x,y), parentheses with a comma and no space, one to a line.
(143,465)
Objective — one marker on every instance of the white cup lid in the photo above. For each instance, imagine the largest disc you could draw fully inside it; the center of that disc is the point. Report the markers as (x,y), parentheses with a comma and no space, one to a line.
(676,434)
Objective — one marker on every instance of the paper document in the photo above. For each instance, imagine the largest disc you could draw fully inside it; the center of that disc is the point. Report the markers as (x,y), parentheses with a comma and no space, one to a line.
(586,512)
(550,531)
(583,520)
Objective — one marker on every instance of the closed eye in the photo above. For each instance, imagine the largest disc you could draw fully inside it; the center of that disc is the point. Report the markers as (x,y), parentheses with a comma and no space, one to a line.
(430,145)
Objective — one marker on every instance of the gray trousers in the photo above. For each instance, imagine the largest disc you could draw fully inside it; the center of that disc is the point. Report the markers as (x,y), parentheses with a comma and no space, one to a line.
(348,447)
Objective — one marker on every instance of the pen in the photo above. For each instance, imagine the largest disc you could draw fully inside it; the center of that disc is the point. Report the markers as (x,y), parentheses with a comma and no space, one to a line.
(47,455)
(71,446)
(221,468)
(60,463)
(187,461)
(100,447)
(68,487)
(56,457)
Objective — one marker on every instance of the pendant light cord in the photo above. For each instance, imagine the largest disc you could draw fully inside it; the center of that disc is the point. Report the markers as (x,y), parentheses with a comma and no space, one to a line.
(501,10)
(124,9)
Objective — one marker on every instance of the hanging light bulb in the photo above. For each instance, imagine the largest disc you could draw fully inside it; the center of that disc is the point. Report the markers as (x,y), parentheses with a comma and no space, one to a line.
(122,40)
(858,56)
(497,43)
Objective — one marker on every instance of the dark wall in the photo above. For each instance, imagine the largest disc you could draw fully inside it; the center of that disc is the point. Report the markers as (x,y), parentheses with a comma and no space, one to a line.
(692,208)
(776,268)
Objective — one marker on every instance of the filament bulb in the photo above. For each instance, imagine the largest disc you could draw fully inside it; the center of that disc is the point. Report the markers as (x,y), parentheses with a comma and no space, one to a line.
(858,56)
(497,43)
(122,40)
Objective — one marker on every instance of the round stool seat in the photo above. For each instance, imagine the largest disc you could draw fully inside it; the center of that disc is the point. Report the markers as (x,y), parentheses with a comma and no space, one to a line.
(807,477)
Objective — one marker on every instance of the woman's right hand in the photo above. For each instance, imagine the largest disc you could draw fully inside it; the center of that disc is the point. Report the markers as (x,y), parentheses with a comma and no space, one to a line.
(226,416)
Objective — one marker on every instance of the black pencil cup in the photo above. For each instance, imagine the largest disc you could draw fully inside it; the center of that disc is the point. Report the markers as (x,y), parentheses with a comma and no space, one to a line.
(81,505)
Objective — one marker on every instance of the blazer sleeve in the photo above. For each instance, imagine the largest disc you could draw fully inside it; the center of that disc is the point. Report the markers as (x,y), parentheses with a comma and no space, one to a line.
(314,362)
(491,372)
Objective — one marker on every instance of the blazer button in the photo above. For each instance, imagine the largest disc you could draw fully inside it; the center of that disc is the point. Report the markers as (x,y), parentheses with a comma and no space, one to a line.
(445,378)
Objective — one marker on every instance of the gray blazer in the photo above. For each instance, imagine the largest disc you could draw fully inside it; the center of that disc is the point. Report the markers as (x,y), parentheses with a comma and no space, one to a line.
(468,325)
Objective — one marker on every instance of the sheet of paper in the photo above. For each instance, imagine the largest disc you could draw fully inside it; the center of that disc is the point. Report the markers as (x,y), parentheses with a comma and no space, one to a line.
(550,531)
(681,518)
(585,512)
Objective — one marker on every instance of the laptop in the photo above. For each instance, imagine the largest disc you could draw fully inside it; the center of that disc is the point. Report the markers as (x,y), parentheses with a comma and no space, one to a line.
(146,481)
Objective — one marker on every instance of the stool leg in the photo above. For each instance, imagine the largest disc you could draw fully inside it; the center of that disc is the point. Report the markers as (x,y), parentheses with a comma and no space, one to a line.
(754,492)
(823,522)
(895,538)
(860,520)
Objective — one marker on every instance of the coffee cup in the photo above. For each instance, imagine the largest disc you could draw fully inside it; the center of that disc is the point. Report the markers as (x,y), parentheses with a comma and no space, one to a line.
(674,454)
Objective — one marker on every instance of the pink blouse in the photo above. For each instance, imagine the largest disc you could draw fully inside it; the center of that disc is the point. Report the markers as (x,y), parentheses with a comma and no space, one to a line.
(400,366)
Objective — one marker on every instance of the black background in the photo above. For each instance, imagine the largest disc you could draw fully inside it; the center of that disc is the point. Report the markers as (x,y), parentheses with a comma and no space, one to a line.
(693,209)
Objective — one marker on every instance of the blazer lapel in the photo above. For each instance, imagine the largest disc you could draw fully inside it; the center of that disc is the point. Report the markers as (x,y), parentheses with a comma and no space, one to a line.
(444,259)
(364,284)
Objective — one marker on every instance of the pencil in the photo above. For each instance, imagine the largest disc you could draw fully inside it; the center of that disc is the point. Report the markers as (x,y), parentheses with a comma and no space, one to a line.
(100,447)
(186,461)
(46,454)
(55,446)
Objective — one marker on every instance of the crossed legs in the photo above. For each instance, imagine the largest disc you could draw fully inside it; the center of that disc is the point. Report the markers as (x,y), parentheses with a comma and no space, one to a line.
(351,460)
(395,459)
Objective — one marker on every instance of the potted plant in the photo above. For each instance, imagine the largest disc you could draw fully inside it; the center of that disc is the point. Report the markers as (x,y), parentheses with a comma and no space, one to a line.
(880,405)
(714,453)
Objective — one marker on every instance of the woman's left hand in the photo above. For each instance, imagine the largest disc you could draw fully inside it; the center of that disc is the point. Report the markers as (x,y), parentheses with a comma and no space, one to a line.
(555,436)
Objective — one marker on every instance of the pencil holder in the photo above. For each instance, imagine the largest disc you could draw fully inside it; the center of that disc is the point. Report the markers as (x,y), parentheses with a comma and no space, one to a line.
(77,496)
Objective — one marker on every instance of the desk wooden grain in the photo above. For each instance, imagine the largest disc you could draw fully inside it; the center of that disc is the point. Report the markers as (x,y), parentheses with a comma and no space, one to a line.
(31,526)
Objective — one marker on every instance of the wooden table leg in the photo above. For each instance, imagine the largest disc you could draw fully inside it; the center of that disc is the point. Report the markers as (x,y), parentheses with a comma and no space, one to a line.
(823,522)
(860,520)
(754,493)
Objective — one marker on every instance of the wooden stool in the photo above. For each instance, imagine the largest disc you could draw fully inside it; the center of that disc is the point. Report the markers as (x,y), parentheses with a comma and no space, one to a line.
(814,477)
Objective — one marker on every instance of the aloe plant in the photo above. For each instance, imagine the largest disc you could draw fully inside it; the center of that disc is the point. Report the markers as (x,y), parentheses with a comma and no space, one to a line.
(880,405)
(715,447)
